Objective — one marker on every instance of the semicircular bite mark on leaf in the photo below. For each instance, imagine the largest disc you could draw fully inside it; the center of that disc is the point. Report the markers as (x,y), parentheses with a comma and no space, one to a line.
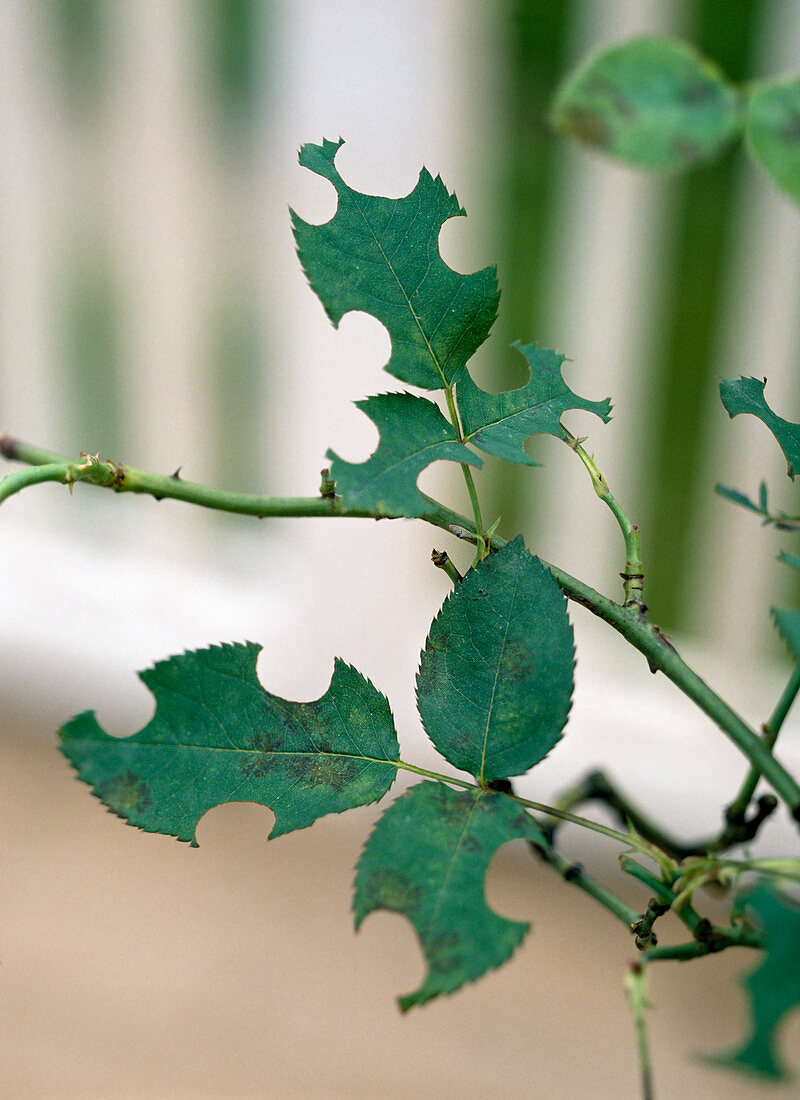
(413,434)
(500,423)
(773,132)
(218,736)
(382,256)
(427,859)
(652,102)
(495,681)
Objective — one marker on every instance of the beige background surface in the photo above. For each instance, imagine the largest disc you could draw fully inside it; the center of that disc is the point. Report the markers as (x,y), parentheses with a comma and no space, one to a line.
(134,966)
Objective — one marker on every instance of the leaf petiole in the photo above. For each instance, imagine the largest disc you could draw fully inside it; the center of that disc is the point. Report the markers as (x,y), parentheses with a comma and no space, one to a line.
(633,577)
(482,545)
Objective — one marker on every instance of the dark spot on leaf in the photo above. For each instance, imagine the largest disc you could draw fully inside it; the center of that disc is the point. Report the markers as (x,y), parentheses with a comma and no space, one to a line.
(689,152)
(600,87)
(521,823)
(388,888)
(518,665)
(445,951)
(331,771)
(259,761)
(126,794)
(790,130)
(471,844)
(698,92)
(452,806)
(586,125)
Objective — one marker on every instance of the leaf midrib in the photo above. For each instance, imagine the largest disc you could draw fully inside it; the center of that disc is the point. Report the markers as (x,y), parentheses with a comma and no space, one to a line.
(411,309)
(496,677)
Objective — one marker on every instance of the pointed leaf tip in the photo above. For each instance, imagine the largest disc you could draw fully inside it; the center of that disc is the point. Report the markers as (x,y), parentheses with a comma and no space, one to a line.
(495,681)
(382,256)
(218,736)
(427,859)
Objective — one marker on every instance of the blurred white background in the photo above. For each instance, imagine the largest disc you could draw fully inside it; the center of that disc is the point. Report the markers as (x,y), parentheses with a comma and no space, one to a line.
(151,307)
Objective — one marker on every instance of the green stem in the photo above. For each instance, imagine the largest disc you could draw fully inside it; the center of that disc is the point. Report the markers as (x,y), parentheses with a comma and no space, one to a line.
(735,812)
(645,637)
(643,929)
(596,786)
(723,938)
(441,559)
(636,986)
(34,475)
(467,472)
(540,807)
(686,913)
(633,576)
(575,874)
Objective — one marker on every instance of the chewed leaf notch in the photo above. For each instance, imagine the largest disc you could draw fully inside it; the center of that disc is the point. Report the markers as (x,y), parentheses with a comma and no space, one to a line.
(382,256)
(218,736)
(773,987)
(413,433)
(427,859)
(500,423)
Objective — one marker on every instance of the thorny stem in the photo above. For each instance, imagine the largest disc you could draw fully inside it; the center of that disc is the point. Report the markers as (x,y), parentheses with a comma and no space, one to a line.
(661,655)
(481,547)
(633,577)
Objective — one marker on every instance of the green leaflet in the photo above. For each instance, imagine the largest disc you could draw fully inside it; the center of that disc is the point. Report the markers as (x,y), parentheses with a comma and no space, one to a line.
(382,256)
(739,498)
(217,736)
(413,433)
(773,988)
(427,858)
(773,132)
(746,395)
(652,102)
(500,423)
(788,622)
(789,559)
(494,686)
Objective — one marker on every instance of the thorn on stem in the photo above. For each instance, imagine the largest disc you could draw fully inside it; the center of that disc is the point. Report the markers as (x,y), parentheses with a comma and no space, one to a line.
(8,446)
(327,486)
(441,560)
